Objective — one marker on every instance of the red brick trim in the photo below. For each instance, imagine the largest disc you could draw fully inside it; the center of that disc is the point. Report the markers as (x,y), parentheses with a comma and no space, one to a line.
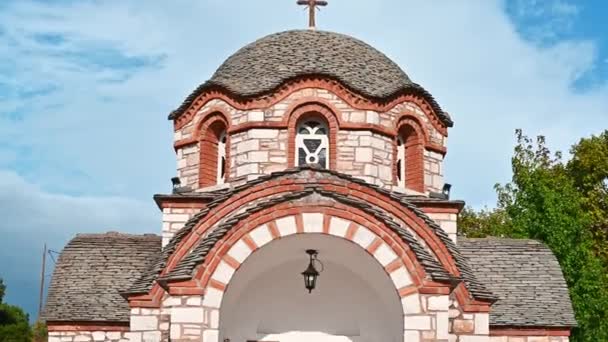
(409,128)
(305,110)
(354,100)
(207,132)
(339,186)
(540,331)
(87,326)
(241,231)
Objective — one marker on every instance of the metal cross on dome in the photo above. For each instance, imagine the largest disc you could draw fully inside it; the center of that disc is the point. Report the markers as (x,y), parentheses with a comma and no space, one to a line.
(312,6)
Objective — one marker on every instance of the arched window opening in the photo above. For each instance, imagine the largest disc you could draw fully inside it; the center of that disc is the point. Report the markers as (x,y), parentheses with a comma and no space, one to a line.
(400,162)
(221,158)
(409,162)
(312,143)
(213,154)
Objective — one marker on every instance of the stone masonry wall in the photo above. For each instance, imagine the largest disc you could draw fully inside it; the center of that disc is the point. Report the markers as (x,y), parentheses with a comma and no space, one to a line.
(258,151)
(86,336)
(173,220)
(468,327)
(262,150)
(448,222)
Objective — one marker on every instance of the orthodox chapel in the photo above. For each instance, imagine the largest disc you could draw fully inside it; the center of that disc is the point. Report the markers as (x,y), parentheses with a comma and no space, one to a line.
(309,205)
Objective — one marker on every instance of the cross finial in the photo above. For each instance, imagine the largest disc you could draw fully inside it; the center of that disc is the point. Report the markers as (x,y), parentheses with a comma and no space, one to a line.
(312,6)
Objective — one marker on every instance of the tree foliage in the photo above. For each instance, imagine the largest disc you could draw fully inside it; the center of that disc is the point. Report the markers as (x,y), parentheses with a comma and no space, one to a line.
(589,169)
(14,324)
(545,201)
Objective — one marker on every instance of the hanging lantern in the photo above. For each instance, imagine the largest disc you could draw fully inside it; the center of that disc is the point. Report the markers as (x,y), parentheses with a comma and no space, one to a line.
(311,273)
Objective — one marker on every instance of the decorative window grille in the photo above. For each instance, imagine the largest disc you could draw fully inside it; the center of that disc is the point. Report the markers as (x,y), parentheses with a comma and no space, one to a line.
(400,162)
(221,158)
(312,143)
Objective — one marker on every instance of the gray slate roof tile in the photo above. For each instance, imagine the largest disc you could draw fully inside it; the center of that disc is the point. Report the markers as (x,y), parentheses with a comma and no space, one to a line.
(262,66)
(90,273)
(526,277)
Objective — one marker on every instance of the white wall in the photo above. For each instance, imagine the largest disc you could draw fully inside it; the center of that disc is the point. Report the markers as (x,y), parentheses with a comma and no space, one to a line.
(354,299)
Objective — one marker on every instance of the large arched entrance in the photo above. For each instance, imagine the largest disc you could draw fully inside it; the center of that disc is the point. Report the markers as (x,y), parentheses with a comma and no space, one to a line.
(355,299)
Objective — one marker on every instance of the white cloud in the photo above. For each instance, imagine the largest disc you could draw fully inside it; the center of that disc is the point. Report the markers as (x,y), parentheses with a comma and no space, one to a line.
(32,216)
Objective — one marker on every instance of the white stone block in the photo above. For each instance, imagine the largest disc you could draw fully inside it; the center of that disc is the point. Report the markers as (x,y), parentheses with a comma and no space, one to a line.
(187,315)
(439,303)
(151,336)
(286,225)
(257,156)
(373,118)
(194,301)
(223,273)
(482,324)
(263,133)
(213,298)
(385,172)
(411,304)
(313,222)
(99,336)
(449,226)
(401,277)
(255,115)
(385,254)
(500,339)
(472,338)
(239,251)
(417,322)
(54,339)
(133,336)
(83,338)
(261,235)
(144,323)
(175,331)
(172,301)
(248,145)
(338,226)
(442,325)
(364,154)
(175,217)
(247,169)
(212,318)
(411,336)
(211,335)
(363,237)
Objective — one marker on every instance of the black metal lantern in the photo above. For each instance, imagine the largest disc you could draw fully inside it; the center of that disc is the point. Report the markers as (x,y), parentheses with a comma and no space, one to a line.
(311,273)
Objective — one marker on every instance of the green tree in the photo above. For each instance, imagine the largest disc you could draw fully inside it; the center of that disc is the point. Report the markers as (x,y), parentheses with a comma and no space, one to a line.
(39,332)
(14,324)
(545,201)
(589,170)
(486,222)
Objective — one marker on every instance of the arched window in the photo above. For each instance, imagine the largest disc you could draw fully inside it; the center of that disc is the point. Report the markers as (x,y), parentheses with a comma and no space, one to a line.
(312,143)
(400,162)
(213,166)
(221,158)
(409,161)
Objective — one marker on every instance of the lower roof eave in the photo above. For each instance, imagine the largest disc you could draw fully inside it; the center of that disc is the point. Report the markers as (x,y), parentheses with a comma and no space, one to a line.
(530,330)
(76,325)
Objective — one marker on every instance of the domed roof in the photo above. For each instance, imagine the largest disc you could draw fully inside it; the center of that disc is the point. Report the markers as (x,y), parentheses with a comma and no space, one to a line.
(264,64)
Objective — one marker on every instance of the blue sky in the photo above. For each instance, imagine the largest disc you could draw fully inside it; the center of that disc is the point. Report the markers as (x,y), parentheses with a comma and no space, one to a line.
(85,88)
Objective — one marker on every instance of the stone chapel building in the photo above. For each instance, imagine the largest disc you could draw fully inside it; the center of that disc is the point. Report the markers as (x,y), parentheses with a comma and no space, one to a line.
(308,140)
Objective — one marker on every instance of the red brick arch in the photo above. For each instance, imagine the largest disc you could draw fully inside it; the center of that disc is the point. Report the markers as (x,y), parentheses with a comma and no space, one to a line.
(207,132)
(281,186)
(307,110)
(415,138)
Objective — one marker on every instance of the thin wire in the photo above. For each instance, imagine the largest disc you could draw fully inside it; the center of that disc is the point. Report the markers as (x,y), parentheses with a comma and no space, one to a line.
(322,266)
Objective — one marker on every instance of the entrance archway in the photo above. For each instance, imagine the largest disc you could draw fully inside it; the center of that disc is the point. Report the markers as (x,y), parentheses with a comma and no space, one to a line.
(355,299)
